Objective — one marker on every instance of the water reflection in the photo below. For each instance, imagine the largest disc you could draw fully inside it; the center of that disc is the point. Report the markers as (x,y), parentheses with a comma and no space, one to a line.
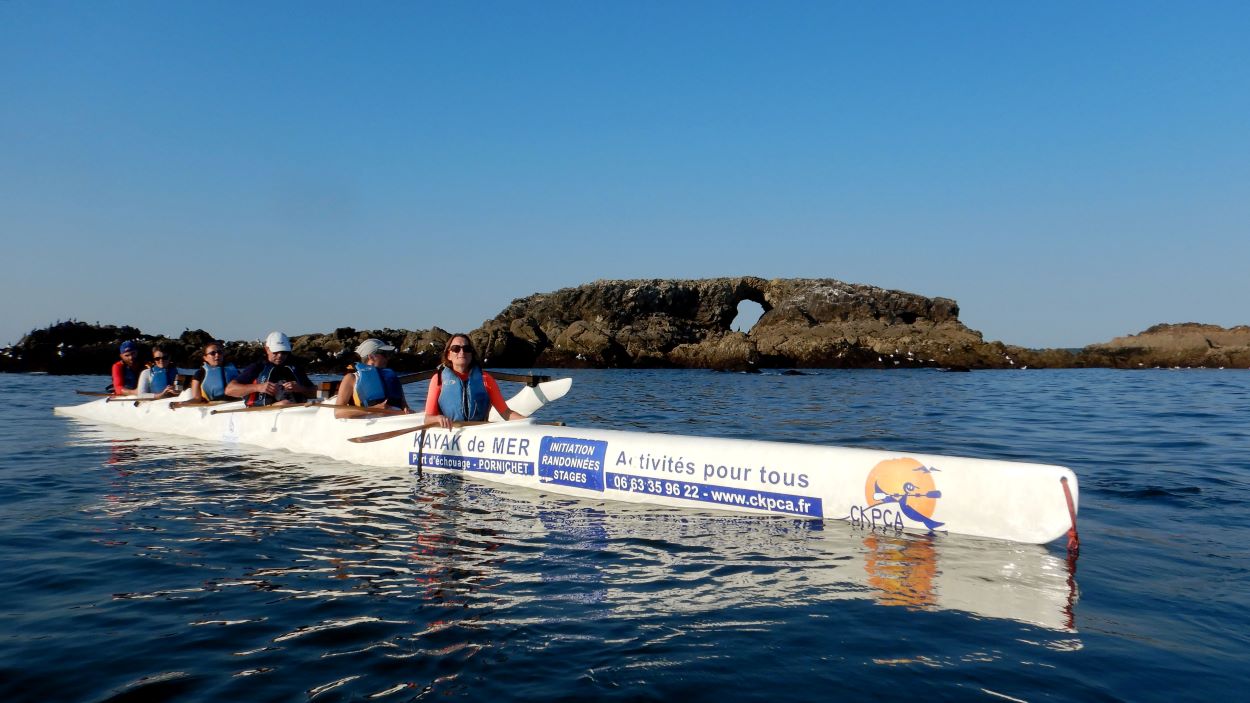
(349,530)
(299,563)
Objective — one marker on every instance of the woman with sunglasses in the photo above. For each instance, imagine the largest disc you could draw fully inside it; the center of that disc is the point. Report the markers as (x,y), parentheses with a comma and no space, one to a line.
(211,379)
(461,390)
(157,380)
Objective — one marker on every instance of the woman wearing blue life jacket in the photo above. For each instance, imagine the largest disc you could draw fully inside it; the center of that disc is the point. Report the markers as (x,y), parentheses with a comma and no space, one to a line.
(158,380)
(371,384)
(461,390)
(211,379)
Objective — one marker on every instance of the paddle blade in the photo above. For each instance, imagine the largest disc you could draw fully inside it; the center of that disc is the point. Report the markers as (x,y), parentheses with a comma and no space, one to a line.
(409,430)
(393,433)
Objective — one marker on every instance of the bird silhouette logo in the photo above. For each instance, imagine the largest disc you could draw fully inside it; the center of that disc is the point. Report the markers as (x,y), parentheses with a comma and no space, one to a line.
(908,484)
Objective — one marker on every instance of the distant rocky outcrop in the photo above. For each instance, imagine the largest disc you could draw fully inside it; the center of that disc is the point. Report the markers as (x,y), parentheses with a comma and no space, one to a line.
(806,323)
(686,323)
(74,347)
(1188,344)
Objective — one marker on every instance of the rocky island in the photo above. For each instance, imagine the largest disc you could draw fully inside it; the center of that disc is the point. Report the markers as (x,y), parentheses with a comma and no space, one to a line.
(806,323)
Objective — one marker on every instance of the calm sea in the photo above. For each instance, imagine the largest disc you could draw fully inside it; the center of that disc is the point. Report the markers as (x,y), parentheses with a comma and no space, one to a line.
(156,568)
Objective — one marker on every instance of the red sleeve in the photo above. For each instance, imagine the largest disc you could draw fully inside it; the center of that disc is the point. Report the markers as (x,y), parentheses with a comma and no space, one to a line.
(431,398)
(496,398)
(119,379)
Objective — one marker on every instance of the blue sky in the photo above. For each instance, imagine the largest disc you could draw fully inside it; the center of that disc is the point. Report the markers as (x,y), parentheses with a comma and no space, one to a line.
(1068,172)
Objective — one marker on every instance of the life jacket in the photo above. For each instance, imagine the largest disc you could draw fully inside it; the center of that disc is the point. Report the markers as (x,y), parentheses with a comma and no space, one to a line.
(130,377)
(463,400)
(161,378)
(284,373)
(374,384)
(216,378)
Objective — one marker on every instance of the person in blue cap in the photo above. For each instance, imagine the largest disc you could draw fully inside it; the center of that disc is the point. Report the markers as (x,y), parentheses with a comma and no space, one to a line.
(126,371)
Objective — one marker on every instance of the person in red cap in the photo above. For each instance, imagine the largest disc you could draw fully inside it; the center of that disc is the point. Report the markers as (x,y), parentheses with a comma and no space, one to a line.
(126,371)
(274,380)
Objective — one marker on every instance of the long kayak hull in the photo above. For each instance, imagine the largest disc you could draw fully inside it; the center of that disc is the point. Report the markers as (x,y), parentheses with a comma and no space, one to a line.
(1021,502)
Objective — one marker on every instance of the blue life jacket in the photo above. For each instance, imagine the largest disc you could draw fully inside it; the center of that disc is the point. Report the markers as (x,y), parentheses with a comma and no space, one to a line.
(130,378)
(216,378)
(161,378)
(285,373)
(374,384)
(464,400)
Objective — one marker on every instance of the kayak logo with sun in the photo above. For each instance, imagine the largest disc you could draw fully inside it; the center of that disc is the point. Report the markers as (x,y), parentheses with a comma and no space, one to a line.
(899,490)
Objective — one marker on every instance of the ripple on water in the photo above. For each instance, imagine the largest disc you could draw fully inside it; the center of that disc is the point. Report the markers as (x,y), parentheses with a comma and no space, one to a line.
(179,570)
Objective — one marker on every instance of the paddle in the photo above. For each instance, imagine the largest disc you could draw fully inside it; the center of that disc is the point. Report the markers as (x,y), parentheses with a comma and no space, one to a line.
(110,395)
(199,403)
(131,398)
(371,410)
(261,408)
(408,430)
(527,379)
(155,397)
(418,376)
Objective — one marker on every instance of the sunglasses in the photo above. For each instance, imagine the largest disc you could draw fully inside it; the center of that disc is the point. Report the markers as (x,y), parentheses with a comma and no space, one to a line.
(215,352)
(457,348)
(158,358)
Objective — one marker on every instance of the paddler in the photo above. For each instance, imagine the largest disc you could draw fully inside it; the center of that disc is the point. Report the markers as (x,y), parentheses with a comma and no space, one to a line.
(157,380)
(276,380)
(126,371)
(461,390)
(371,384)
(213,378)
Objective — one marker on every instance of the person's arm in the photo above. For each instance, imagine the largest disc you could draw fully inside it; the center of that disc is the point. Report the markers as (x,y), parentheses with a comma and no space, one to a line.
(496,399)
(432,413)
(144,386)
(243,384)
(403,398)
(303,385)
(346,387)
(197,395)
(119,380)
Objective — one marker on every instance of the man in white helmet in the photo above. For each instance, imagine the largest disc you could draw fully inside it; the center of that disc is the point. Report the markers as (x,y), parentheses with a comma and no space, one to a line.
(274,380)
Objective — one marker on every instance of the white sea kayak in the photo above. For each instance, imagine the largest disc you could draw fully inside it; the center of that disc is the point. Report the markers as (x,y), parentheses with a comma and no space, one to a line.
(1021,502)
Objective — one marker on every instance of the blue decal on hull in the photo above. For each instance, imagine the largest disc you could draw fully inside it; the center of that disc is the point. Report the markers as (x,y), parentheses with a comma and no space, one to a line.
(572,462)
(473,463)
(720,495)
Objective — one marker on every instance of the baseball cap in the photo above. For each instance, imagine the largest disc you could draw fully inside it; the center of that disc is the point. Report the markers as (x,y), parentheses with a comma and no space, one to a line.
(127,346)
(373,346)
(278,342)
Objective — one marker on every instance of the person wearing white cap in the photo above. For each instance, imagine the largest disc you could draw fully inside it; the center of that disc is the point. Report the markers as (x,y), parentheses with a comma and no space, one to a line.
(274,380)
(371,384)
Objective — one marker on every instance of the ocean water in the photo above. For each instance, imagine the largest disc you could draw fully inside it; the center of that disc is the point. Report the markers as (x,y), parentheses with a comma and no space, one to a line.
(158,568)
